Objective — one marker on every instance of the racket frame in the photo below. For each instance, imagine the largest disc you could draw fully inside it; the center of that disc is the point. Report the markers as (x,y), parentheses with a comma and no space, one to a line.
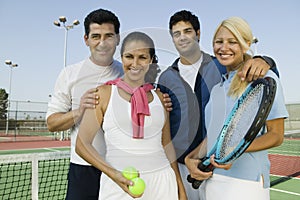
(269,92)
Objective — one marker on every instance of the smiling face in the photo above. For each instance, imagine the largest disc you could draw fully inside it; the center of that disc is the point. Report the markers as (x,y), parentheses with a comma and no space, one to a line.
(185,39)
(136,59)
(227,49)
(102,41)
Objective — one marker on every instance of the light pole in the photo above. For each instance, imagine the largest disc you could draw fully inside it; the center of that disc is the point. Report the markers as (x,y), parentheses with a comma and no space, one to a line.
(11,65)
(62,23)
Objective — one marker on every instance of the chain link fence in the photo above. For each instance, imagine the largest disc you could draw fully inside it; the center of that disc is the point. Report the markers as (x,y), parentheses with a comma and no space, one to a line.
(27,122)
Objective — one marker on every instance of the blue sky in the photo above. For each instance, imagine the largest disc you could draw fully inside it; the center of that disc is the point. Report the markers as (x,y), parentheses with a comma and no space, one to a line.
(29,38)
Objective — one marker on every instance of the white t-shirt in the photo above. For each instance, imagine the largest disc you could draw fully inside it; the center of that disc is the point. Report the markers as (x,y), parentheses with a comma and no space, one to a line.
(189,72)
(71,84)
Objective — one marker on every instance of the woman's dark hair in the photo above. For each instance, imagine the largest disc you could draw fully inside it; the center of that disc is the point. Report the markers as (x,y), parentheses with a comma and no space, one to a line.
(101,16)
(154,69)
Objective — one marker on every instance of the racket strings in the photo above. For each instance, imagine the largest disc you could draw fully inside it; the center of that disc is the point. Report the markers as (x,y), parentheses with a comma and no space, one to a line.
(241,121)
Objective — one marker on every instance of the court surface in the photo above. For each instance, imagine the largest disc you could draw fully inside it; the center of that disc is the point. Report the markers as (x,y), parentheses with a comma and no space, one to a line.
(285,163)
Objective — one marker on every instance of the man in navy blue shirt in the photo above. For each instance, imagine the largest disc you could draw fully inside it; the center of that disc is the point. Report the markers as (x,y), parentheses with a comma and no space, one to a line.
(189,80)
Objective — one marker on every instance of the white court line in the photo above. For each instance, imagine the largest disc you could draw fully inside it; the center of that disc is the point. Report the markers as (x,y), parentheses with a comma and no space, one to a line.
(279,152)
(291,132)
(50,149)
(283,191)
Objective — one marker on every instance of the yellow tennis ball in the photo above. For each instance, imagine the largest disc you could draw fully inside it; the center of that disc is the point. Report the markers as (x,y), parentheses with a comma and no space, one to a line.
(138,186)
(130,173)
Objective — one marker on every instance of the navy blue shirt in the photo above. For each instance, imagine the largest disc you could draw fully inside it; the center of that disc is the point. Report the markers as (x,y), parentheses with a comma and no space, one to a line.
(187,120)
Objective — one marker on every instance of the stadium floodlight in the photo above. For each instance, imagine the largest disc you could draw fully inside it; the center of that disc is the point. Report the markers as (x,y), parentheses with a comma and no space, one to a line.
(8,62)
(62,19)
(62,23)
(56,23)
(254,40)
(11,65)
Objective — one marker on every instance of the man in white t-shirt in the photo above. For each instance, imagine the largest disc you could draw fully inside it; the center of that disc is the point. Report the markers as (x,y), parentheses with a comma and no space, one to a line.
(73,94)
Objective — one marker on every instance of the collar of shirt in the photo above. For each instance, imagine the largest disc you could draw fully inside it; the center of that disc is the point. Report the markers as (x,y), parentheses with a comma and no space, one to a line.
(189,72)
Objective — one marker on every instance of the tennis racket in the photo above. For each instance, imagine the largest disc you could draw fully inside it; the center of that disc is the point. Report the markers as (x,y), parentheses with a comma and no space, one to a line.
(241,126)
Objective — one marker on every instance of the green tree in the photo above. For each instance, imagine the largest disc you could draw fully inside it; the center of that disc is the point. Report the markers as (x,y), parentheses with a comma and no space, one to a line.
(3,103)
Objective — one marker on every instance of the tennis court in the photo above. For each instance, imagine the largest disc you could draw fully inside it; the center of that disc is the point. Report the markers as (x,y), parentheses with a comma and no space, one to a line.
(285,169)
(39,172)
(42,172)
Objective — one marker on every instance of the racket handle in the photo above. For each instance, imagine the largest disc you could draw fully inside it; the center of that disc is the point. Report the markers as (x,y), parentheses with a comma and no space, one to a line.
(205,168)
(196,183)
(190,179)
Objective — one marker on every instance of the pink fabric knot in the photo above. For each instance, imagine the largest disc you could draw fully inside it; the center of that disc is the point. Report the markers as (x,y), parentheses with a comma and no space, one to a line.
(139,104)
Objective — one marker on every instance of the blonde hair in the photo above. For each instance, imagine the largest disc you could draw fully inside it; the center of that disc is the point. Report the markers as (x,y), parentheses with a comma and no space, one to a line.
(242,31)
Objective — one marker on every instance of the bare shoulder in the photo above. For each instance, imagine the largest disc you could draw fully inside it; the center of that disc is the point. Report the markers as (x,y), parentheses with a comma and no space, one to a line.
(160,95)
(104,92)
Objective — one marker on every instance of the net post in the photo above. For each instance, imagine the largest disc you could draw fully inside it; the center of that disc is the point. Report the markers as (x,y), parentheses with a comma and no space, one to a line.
(35,177)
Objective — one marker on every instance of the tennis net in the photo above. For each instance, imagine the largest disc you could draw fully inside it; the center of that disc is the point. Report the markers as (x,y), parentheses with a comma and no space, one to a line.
(34,176)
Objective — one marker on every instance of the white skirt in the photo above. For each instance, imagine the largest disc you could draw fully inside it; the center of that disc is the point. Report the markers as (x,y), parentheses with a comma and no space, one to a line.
(160,185)
(228,188)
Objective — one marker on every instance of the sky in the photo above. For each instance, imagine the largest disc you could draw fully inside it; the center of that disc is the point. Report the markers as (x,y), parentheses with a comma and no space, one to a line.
(30,39)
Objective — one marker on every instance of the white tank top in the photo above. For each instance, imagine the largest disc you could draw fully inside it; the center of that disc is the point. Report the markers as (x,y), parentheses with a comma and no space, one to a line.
(123,150)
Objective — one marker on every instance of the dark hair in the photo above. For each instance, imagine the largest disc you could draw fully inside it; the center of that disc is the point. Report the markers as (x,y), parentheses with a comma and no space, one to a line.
(154,67)
(185,16)
(101,16)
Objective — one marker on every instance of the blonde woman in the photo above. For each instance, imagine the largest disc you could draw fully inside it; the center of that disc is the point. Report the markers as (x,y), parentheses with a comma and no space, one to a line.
(248,176)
